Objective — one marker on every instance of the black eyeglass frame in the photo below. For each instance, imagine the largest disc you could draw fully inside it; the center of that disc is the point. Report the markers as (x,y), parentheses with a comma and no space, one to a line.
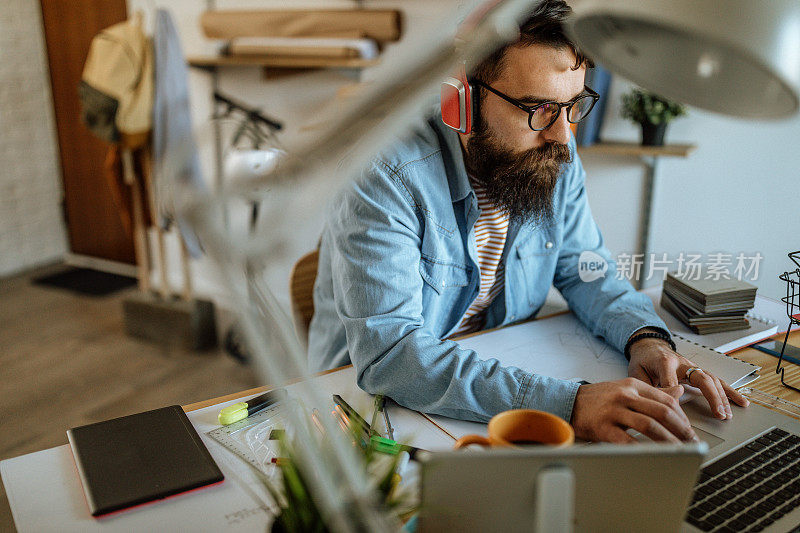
(532,109)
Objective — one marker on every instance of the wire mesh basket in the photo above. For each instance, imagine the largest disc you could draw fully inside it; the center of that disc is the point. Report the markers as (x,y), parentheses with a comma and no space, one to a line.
(792,298)
(792,301)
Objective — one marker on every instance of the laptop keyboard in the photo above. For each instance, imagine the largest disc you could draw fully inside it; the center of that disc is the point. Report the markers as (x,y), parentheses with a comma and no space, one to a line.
(750,488)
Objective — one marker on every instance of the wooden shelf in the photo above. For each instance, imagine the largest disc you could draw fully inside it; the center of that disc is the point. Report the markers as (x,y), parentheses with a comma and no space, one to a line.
(279,62)
(633,149)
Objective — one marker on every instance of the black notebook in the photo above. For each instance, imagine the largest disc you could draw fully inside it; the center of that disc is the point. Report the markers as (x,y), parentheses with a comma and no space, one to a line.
(140,458)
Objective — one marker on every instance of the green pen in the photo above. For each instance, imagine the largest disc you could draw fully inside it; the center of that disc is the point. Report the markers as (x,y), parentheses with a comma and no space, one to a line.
(241,410)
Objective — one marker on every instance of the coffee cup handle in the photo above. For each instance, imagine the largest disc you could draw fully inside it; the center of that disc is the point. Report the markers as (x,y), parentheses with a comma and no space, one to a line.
(466,440)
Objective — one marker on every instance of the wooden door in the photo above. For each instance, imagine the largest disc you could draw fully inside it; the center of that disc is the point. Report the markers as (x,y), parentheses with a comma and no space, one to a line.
(93,222)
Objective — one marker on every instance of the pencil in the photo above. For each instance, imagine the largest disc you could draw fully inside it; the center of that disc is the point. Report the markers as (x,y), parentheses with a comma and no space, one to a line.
(389,428)
(352,414)
(346,424)
(379,399)
(317,422)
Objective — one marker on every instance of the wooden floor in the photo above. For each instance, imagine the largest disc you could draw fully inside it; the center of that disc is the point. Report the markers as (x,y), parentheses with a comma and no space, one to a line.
(66,361)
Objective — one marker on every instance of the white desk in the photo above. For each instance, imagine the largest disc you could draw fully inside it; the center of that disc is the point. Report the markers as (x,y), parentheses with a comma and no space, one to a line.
(44,490)
(45,493)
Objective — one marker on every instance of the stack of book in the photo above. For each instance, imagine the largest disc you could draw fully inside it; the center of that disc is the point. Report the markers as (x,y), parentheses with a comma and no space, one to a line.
(708,305)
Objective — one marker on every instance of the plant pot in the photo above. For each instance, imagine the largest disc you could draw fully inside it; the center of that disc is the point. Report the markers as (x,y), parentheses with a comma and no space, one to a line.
(653,134)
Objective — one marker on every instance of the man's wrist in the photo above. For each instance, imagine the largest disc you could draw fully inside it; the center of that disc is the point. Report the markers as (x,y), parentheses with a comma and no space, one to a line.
(645,336)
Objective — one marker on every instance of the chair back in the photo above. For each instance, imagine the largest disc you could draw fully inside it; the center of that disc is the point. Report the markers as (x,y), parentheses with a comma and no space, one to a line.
(301,291)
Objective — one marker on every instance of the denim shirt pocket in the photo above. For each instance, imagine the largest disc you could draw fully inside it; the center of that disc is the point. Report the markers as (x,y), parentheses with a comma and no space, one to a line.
(441,276)
(444,294)
(537,255)
(541,242)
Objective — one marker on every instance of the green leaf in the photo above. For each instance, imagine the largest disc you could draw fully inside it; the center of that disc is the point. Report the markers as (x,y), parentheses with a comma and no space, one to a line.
(641,106)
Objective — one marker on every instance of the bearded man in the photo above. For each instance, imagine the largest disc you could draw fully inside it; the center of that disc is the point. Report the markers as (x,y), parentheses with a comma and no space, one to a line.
(449,233)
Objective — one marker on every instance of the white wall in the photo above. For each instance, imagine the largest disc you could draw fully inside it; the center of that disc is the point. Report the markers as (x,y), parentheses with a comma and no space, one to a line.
(32,231)
(739,192)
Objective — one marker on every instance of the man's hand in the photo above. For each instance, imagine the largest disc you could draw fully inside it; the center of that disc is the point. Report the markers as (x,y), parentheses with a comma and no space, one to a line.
(654,362)
(603,411)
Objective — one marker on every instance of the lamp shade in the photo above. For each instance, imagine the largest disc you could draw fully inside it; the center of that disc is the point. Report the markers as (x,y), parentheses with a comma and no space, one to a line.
(736,57)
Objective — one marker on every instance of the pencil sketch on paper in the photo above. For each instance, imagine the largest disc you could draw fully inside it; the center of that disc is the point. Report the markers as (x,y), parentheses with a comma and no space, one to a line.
(559,347)
(580,338)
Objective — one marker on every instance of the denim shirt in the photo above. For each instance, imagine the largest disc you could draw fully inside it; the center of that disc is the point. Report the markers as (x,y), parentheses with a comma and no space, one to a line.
(397,272)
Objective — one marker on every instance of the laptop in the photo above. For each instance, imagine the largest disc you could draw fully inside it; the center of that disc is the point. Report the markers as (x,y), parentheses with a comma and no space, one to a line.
(749,480)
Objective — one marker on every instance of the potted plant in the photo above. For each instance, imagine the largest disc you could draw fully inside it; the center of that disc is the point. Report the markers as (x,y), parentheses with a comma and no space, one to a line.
(652,112)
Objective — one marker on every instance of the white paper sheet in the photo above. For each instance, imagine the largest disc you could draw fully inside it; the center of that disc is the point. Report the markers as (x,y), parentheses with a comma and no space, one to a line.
(558,346)
(45,492)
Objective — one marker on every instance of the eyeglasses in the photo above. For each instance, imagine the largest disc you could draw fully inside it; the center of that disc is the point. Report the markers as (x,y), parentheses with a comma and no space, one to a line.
(542,116)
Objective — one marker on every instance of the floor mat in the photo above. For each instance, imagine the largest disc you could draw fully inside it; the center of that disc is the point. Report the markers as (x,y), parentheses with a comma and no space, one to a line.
(86,281)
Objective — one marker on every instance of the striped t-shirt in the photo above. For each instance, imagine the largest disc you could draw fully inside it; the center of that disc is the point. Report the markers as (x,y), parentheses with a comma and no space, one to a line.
(491,230)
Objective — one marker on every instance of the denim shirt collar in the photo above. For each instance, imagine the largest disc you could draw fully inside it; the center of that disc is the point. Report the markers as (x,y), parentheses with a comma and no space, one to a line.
(453,158)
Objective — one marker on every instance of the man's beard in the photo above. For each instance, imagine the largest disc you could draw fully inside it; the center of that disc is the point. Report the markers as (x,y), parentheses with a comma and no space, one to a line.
(520,183)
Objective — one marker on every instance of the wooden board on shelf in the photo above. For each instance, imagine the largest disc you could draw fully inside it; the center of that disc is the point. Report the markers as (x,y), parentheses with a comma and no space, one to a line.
(633,149)
(279,62)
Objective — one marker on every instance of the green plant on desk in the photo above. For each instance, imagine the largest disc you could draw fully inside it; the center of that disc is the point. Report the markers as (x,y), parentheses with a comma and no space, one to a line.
(298,510)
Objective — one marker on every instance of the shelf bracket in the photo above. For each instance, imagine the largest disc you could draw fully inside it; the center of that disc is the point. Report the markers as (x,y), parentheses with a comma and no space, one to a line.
(649,207)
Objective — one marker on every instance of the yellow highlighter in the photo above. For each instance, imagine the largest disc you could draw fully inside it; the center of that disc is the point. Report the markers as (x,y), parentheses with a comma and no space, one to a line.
(241,410)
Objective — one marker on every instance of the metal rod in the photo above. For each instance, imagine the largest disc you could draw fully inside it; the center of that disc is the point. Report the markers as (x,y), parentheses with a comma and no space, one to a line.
(646,231)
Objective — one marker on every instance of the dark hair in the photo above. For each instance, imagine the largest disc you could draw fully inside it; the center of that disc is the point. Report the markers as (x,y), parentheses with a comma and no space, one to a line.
(544,26)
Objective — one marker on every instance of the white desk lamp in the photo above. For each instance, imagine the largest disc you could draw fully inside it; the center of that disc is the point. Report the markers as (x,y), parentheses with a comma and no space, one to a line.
(736,57)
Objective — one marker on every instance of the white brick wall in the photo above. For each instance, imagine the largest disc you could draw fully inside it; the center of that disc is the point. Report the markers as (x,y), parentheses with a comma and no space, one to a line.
(32,231)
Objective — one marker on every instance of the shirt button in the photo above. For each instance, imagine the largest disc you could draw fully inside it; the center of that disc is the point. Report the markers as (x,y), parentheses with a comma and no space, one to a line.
(548,245)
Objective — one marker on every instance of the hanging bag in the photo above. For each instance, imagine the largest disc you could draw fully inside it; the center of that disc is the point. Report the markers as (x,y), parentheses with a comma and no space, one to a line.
(116,88)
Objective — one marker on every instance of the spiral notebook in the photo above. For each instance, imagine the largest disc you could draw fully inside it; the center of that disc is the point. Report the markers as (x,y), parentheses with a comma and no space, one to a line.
(735,372)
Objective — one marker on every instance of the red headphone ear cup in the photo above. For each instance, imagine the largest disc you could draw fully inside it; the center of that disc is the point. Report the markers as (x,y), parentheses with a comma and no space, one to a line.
(456,102)
(452,102)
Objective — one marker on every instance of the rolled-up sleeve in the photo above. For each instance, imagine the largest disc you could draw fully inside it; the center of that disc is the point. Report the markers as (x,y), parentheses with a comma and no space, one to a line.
(375,236)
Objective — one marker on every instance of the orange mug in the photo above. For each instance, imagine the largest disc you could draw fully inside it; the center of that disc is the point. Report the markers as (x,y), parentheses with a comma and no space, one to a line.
(521,427)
